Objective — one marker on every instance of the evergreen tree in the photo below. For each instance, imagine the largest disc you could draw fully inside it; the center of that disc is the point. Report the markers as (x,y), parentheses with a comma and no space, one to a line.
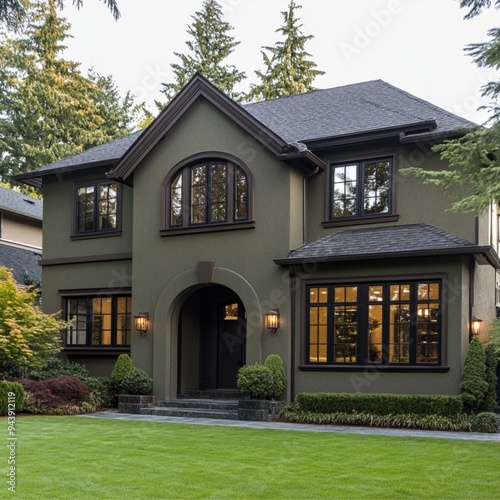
(474,386)
(48,109)
(473,177)
(209,46)
(12,12)
(288,71)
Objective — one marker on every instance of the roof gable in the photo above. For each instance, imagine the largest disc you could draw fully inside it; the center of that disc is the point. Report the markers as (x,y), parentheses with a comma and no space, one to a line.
(199,87)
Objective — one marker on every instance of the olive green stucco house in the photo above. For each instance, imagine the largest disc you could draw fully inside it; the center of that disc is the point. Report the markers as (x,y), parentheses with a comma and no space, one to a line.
(217,214)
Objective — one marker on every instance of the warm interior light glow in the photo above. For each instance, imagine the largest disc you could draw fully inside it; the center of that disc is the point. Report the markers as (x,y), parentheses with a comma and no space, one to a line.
(142,322)
(273,320)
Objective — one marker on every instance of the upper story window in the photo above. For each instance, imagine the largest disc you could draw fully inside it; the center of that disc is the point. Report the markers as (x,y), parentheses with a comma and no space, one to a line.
(208,194)
(361,189)
(395,323)
(97,208)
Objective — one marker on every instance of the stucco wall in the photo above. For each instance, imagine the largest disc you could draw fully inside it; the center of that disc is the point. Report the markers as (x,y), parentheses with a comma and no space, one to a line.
(165,267)
(409,192)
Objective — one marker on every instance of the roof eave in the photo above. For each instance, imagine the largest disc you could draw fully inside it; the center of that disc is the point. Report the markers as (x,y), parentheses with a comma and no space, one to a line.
(375,135)
(36,178)
(482,254)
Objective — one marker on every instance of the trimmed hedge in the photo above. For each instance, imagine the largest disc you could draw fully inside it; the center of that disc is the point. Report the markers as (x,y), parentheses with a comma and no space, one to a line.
(8,389)
(380,404)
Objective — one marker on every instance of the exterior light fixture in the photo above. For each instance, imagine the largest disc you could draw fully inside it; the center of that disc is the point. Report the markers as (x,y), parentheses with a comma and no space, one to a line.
(476,325)
(142,323)
(273,320)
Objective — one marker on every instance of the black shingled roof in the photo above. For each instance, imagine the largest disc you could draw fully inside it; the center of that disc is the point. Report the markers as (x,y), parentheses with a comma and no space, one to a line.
(349,110)
(330,113)
(21,204)
(386,242)
(22,262)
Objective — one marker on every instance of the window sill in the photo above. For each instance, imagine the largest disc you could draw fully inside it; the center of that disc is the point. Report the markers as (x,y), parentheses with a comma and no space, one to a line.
(96,350)
(92,235)
(372,368)
(356,221)
(207,228)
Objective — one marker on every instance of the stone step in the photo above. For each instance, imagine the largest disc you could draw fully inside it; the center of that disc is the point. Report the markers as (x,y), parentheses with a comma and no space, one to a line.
(190,412)
(202,404)
(212,394)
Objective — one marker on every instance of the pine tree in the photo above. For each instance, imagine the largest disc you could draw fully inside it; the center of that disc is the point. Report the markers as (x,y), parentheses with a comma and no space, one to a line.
(473,177)
(288,71)
(209,46)
(48,109)
(12,12)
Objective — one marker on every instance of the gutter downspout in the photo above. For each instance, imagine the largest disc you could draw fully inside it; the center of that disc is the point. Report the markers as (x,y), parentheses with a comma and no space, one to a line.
(293,295)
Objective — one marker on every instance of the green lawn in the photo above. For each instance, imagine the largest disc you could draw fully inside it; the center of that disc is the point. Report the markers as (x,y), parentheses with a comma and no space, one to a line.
(84,458)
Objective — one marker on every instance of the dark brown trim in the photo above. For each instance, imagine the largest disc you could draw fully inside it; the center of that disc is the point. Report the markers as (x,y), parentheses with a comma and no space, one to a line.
(208,228)
(374,368)
(80,292)
(197,87)
(95,351)
(94,235)
(36,178)
(355,221)
(85,259)
(376,135)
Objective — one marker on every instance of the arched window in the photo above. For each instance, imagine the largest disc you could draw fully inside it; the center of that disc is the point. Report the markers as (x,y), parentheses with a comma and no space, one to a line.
(209,193)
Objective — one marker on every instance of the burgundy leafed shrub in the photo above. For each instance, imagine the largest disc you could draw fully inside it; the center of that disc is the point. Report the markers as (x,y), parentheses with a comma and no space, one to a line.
(57,391)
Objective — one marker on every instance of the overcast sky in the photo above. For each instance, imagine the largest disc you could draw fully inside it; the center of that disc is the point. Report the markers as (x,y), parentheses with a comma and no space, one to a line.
(416,45)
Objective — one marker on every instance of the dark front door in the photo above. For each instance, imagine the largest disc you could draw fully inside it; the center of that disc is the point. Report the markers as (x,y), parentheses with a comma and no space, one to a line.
(231,343)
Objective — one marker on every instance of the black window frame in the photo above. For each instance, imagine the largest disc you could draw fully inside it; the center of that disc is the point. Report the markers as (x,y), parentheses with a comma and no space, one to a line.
(359,217)
(90,318)
(362,352)
(230,221)
(95,232)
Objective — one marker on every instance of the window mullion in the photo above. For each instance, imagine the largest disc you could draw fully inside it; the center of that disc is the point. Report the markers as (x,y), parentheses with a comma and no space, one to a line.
(186,197)
(360,195)
(230,193)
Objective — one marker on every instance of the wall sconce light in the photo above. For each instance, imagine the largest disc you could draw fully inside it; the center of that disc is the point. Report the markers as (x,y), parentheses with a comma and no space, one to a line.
(142,323)
(476,325)
(273,320)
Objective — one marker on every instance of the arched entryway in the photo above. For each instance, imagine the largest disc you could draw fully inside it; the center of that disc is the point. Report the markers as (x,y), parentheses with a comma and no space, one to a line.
(211,344)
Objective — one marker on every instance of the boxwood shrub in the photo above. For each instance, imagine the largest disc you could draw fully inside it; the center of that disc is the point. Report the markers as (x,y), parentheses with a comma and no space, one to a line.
(380,404)
(9,388)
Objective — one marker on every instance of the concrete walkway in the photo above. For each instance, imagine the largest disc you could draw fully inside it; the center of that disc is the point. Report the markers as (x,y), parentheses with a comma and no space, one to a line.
(369,431)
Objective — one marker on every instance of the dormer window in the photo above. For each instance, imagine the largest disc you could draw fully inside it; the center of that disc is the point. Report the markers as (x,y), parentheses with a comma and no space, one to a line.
(210,194)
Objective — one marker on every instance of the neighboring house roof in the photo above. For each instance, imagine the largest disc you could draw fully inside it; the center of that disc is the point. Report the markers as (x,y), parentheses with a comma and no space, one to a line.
(411,240)
(338,115)
(24,263)
(20,204)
